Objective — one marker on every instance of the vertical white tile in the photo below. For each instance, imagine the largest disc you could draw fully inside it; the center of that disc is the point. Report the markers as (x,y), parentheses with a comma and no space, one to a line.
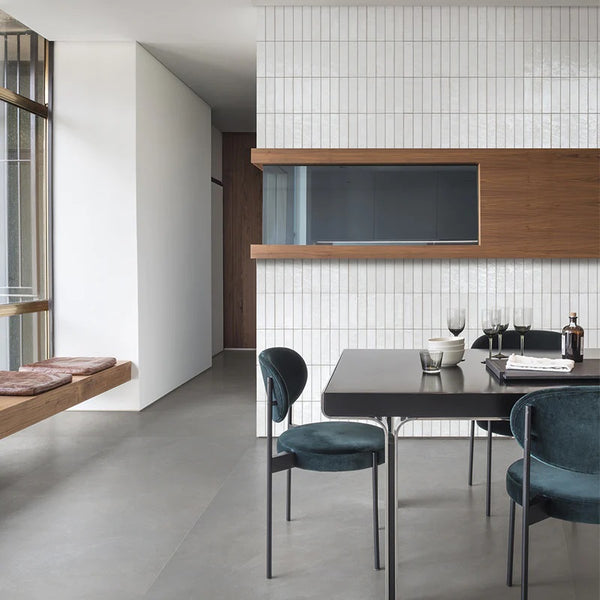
(533,82)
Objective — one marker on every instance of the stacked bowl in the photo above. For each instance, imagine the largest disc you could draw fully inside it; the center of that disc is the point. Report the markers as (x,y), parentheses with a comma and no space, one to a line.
(452,347)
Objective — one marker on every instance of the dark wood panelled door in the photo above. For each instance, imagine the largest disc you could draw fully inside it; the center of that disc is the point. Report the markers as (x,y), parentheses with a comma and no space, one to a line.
(242,226)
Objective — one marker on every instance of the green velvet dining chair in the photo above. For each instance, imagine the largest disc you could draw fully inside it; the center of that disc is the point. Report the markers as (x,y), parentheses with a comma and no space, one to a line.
(535,340)
(328,446)
(559,474)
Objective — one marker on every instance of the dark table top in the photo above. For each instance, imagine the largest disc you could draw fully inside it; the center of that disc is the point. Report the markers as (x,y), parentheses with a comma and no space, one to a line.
(390,383)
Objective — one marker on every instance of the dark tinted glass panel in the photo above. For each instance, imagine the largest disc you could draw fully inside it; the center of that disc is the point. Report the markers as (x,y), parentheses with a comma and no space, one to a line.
(371,204)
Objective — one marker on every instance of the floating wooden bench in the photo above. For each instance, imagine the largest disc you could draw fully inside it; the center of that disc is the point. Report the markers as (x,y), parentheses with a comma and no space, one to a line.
(19,412)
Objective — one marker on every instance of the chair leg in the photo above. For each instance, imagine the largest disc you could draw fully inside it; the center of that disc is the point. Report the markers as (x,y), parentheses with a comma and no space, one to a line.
(269,518)
(525,554)
(375,515)
(511,544)
(488,483)
(525,504)
(269,477)
(288,503)
(471,444)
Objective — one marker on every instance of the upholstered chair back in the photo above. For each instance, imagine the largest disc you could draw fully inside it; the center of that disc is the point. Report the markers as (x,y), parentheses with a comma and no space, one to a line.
(289,373)
(565,426)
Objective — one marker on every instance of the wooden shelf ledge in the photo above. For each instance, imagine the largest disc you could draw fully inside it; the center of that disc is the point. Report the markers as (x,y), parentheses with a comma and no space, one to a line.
(533,203)
(396,252)
(19,412)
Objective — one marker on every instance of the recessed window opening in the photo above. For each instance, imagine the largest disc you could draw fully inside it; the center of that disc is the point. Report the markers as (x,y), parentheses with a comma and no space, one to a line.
(371,204)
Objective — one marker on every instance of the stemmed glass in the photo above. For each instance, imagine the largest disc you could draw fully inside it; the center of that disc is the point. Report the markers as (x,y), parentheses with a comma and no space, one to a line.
(490,325)
(523,318)
(503,319)
(456,321)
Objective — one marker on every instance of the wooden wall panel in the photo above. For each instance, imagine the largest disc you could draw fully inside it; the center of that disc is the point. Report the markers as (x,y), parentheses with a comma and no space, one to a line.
(242,227)
(534,203)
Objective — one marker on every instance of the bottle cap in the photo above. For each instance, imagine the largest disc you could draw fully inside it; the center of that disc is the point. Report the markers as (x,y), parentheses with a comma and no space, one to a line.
(572,314)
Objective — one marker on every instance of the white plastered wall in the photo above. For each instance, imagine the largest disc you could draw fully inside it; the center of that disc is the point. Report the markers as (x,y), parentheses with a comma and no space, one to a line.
(131,218)
(173,153)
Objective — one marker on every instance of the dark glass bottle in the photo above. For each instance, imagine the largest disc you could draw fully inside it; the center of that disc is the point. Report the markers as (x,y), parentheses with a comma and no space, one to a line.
(572,339)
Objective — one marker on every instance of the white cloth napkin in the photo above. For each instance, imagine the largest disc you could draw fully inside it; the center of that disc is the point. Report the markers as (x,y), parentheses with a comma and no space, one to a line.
(533,363)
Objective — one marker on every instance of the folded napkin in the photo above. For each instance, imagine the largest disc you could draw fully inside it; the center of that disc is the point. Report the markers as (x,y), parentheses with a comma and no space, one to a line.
(533,363)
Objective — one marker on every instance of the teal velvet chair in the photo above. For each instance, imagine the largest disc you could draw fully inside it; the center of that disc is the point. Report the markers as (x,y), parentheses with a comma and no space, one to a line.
(328,446)
(559,474)
(534,340)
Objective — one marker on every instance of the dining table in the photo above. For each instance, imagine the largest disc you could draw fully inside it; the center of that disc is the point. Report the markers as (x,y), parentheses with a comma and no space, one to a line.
(388,386)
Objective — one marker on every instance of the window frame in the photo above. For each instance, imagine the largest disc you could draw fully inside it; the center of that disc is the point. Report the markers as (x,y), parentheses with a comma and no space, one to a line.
(43,340)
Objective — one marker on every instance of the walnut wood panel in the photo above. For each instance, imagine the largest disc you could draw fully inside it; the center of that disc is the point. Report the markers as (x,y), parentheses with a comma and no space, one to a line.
(242,226)
(534,203)
(19,412)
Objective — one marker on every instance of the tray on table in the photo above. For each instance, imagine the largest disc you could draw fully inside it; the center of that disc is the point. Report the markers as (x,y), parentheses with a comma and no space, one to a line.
(588,372)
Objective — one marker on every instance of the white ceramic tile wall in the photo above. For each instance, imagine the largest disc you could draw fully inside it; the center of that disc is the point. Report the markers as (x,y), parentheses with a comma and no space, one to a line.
(320,307)
(498,77)
(427,77)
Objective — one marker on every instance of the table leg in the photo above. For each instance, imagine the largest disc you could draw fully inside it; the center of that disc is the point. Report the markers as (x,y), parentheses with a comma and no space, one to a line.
(391,503)
(390,511)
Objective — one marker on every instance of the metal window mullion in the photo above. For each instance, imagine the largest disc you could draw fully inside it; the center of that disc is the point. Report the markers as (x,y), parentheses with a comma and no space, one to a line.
(19,248)
(18,64)
(48,196)
(6,172)
(36,248)
(5,81)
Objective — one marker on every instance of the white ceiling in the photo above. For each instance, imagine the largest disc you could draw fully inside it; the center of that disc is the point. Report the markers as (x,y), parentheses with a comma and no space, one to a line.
(208,44)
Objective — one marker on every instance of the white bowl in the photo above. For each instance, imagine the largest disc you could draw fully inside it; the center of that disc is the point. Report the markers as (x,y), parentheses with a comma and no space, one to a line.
(455,340)
(451,358)
(443,346)
(446,344)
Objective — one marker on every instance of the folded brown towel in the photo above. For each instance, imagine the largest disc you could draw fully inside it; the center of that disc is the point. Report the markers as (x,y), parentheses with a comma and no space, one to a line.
(13,383)
(79,365)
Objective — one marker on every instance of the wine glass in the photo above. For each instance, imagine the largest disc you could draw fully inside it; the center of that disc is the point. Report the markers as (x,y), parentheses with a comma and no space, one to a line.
(523,318)
(456,321)
(489,325)
(503,319)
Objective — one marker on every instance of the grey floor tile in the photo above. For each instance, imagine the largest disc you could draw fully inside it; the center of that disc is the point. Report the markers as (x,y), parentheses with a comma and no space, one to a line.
(169,504)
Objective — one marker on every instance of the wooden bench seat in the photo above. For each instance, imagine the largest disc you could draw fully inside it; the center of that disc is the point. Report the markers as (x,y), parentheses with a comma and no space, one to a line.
(19,412)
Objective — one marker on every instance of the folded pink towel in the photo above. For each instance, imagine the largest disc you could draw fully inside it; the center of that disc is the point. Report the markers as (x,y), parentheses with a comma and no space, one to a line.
(13,383)
(79,365)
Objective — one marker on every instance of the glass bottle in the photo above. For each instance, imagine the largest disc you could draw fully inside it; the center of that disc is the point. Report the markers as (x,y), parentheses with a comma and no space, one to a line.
(572,339)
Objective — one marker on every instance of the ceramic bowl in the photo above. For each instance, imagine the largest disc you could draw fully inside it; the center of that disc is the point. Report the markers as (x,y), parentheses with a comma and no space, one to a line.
(446,343)
(452,357)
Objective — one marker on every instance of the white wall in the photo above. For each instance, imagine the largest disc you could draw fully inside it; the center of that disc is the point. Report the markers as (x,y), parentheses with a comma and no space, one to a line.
(425,77)
(217,242)
(173,165)
(131,218)
(95,244)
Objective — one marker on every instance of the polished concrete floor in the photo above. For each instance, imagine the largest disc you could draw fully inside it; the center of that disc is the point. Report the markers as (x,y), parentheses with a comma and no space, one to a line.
(169,504)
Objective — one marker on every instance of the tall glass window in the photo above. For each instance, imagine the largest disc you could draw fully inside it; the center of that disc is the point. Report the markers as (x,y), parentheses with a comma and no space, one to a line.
(24,221)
